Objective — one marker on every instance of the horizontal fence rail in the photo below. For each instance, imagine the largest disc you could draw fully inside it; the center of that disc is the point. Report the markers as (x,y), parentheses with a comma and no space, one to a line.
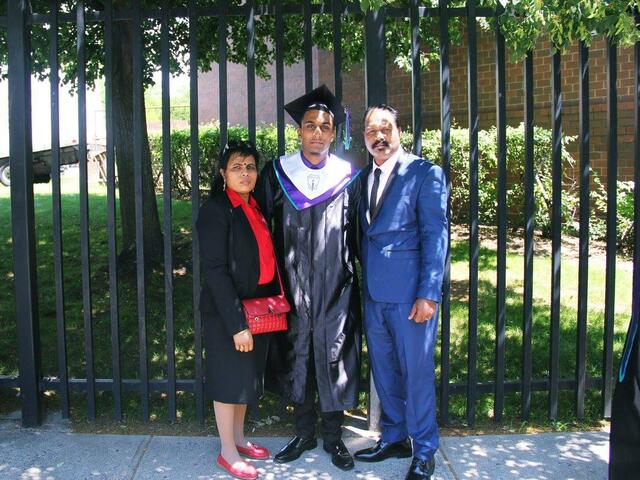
(156,380)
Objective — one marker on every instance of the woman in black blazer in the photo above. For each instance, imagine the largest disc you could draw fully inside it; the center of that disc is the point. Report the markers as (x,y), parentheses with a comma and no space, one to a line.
(238,262)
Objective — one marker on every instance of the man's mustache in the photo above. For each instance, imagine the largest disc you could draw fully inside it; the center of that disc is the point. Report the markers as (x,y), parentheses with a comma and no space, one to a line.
(378,143)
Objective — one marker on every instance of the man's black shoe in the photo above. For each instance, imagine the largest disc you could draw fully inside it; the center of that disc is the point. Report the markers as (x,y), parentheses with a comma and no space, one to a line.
(421,469)
(296,447)
(340,456)
(383,450)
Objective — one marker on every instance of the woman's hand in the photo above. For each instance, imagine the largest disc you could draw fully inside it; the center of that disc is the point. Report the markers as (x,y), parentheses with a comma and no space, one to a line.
(243,341)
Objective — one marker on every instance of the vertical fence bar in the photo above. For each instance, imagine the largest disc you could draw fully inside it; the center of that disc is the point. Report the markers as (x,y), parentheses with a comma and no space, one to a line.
(556,230)
(84,211)
(138,97)
(376,92)
(280,77)
(612,179)
(416,95)
(336,6)
(474,249)
(195,202)
(445,133)
(501,280)
(583,262)
(374,61)
(251,70)
(111,214)
(56,209)
(22,210)
(636,164)
(308,46)
(167,220)
(529,223)
(222,71)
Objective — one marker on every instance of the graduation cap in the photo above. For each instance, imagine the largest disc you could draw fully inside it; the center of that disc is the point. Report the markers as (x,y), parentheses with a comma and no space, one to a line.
(322,99)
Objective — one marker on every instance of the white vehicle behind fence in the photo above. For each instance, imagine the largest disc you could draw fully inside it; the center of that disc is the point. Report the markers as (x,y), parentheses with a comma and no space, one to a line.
(41,164)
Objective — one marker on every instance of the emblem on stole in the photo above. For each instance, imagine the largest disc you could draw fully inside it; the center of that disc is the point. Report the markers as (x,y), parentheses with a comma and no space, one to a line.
(313,181)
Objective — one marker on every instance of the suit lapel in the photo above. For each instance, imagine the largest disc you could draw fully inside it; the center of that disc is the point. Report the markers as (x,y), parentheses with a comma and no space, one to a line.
(364,178)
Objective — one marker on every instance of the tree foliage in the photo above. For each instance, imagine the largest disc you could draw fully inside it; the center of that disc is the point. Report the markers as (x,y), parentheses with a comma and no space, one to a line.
(567,21)
(352,42)
(522,22)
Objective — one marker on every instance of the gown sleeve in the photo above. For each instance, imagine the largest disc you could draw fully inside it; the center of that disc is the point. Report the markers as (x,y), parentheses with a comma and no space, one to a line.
(353,234)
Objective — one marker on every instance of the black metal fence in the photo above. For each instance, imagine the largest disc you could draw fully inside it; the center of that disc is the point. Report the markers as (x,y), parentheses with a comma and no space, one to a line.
(18,23)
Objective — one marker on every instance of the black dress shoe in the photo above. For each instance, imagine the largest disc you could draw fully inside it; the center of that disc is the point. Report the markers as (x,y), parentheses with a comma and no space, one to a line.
(340,456)
(296,447)
(383,450)
(421,469)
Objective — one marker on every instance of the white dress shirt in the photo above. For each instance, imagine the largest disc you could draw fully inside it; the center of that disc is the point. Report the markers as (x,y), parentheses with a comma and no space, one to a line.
(385,172)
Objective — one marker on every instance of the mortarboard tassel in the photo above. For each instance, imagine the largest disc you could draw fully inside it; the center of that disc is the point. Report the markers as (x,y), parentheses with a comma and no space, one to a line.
(346,138)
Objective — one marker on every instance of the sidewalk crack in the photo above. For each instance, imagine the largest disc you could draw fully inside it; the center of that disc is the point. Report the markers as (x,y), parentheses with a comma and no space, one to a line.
(142,449)
(448,463)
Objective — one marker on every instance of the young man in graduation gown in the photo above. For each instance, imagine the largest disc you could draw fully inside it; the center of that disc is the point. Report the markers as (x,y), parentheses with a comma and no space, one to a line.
(310,197)
(403,216)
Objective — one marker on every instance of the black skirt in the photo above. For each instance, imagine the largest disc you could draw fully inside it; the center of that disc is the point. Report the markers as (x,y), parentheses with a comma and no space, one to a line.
(232,376)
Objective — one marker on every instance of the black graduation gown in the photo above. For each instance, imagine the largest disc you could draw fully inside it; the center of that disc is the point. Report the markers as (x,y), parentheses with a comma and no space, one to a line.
(316,251)
(624,441)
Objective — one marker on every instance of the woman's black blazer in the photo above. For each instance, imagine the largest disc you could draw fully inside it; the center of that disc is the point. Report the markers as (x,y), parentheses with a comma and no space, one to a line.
(229,261)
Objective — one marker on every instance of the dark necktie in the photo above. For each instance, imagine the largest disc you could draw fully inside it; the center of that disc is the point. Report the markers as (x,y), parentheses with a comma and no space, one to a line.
(373,200)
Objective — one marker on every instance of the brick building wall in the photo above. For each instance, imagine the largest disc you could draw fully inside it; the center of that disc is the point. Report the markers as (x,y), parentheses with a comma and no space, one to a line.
(399,94)
(208,96)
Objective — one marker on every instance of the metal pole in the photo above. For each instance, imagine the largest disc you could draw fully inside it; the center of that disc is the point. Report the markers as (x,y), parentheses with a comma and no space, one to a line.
(375,66)
(445,139)
(376,92)
(22,213)
(474,242)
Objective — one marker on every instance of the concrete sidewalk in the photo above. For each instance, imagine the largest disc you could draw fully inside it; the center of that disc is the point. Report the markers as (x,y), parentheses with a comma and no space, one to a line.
(54,452)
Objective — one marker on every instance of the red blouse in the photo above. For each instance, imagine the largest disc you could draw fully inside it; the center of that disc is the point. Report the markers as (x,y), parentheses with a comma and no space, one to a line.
(260,231)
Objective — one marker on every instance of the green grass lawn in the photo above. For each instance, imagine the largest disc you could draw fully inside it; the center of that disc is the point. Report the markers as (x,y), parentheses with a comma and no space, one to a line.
(184,313)
(540,328)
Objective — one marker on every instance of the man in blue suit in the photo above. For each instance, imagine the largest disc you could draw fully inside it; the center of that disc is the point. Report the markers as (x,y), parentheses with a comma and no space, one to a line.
(403,218)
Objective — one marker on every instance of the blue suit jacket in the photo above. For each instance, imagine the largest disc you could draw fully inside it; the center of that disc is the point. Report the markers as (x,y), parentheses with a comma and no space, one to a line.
(405,244)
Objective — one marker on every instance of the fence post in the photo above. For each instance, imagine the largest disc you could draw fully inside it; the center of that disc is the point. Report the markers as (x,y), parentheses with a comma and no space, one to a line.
(22,213)
(376,92)
(374,60)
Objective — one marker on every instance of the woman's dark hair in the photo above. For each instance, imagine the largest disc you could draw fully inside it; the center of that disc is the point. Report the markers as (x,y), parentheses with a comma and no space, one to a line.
(244,149)
(383,106)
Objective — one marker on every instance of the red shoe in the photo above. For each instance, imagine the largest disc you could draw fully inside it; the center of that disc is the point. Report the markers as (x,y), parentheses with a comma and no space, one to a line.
(254,451)
(246,472)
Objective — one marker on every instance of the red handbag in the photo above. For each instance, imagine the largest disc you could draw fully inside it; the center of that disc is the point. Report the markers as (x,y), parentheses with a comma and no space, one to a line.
(267,314)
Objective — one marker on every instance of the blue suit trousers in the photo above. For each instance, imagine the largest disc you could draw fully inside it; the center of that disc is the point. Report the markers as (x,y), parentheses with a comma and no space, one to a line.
(401,353)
